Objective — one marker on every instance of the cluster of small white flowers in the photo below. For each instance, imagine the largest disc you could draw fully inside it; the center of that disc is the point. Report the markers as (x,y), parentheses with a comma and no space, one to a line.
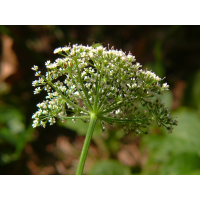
(111,77)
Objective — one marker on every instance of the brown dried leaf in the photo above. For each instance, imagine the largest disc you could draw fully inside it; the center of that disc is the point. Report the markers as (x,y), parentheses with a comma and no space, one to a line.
(9,62)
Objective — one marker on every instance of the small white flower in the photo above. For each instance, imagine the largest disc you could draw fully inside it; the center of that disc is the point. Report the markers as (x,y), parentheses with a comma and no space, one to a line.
(165,86)
(117,111)
(83,54)
(34,83)
(66,48)
(37,90)
(58,50)
(35,68)
(37,73)
(131,58)
(76,93)
(48,62)
(51,65)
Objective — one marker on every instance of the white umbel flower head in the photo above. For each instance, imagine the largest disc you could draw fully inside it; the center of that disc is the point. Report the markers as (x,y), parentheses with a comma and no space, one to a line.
(91,80)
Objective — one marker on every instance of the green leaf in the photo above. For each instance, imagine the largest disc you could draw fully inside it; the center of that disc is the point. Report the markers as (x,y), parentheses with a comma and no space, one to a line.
(183,164)
(13,132)
(80,127)
(167,152)
(110,167)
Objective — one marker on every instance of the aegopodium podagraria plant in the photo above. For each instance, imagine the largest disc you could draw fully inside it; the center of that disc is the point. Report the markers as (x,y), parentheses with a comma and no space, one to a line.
(99,85)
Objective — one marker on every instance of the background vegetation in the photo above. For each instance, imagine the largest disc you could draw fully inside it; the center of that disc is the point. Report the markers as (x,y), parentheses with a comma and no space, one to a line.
(171,51)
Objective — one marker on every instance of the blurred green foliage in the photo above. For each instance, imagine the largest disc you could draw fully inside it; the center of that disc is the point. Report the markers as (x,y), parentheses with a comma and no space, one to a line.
(110,167)
(12,133)
(177,153)
(171,51)
(80,127)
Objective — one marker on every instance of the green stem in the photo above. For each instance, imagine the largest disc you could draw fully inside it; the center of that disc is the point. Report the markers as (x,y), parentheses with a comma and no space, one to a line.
(115,105)
(93,119)
(79,117)
(115,120)
(85,101)
(108,89)
(98,86)
(83,87)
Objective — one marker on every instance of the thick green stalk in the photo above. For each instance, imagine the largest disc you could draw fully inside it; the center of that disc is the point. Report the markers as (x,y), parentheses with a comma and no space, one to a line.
(93,119)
